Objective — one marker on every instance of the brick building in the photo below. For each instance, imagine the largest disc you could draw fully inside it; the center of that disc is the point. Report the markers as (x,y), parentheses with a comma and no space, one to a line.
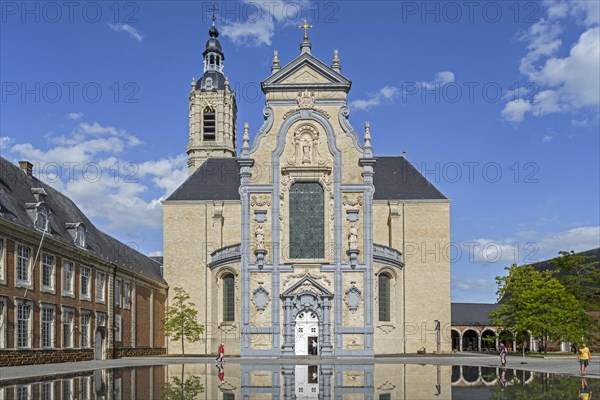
(68,291)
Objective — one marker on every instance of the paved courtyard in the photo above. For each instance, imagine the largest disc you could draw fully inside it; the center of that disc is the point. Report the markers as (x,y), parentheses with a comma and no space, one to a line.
(554,365)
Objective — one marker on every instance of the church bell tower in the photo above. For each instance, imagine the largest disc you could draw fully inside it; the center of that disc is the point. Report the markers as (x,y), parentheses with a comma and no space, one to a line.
(213,109)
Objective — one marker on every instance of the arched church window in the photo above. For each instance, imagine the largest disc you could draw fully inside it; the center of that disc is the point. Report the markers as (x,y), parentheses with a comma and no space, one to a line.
(208,124)
(307,221)
(228,298)
(384,297)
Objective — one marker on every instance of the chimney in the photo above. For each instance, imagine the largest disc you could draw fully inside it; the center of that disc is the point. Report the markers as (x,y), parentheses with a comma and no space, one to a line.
(26,167)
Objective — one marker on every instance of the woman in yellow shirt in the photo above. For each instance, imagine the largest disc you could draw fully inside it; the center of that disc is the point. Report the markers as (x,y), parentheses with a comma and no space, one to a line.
(584,357)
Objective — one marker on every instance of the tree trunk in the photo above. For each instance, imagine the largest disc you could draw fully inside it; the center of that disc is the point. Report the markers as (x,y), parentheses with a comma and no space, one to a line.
(182,344)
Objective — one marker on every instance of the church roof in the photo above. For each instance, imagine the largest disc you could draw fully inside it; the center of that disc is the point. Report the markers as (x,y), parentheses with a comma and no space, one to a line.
(216,179)
(15,193)
(219,179)
(471,313)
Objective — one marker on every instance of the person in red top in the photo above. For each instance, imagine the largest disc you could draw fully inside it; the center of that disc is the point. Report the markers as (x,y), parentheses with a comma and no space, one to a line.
(221,353)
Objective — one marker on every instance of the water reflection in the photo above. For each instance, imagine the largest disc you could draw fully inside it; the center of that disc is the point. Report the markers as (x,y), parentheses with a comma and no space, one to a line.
(259,381)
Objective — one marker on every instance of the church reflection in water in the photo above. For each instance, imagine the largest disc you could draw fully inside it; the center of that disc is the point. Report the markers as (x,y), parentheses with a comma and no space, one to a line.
(242,381)
(246,381)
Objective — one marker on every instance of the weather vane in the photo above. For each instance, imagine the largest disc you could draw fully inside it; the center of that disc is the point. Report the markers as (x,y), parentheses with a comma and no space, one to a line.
(306,27)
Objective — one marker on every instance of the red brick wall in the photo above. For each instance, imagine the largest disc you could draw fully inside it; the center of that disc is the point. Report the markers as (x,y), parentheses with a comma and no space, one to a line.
(142,309)
(159,311)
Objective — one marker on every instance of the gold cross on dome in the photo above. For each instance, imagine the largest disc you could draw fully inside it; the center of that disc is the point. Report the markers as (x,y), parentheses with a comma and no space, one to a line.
(306,27)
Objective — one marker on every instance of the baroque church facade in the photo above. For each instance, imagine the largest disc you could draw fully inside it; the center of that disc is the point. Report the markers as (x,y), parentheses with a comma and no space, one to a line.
(303,241)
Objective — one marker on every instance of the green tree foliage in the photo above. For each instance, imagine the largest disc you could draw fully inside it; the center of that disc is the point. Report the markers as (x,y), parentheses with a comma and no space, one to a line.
(542,387)
(537,302)
(181,319)
(182,389)
(580,276)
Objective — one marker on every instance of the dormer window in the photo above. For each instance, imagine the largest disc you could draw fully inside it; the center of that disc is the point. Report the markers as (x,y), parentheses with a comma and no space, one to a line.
(78,233)
(208,85)
(80,236)
(42,217)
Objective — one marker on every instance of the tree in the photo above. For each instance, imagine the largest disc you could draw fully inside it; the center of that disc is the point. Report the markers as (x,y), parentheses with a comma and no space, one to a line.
(536,301)
(580,276)
(181,388)
(180,320)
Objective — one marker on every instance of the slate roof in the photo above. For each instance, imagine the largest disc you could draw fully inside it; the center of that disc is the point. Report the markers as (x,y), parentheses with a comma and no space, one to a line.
(15,192)
(219,179)
(471,313)
(397,179)
(216,179)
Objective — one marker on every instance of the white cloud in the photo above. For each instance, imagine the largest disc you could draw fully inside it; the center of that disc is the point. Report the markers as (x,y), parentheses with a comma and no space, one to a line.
(441,79)
(261,19)
(89,166)
(75,116)
(547,138)
(5,142)
(470,284)
(385,95)
(569,84)
(531,246)
(515,110)
(130,30)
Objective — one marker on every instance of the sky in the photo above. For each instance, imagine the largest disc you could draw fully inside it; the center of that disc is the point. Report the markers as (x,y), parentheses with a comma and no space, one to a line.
(496,102)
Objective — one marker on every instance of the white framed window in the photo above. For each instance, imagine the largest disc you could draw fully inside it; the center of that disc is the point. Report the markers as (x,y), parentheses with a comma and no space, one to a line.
(47,326)
(47,390)
(68,315)
(23,332)
(85,319)
(2,322)
(67,278)
(85,283)
(23,266)
(80,235)
(118,326)
(68,391)
(100,319)
(127,295)
(2,261)
(42,218)
(23,392)
(100,287)
(117,292)
(85,382)
(48,273)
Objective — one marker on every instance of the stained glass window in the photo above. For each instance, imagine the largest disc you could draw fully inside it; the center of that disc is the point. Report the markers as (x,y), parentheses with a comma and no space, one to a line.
(228,298)
(307,218)
(384,297)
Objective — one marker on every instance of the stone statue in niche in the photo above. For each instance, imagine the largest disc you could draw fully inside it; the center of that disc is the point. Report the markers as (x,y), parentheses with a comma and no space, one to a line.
(306,145)
(353,238)
(259,234)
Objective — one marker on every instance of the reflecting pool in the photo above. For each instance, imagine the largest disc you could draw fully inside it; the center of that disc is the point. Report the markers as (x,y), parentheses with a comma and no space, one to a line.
(231,381)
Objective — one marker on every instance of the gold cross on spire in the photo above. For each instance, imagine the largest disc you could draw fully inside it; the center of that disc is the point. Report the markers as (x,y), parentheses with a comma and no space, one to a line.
(306,27)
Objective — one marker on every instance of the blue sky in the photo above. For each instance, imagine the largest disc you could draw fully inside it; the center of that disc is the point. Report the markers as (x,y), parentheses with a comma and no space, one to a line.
(497,103)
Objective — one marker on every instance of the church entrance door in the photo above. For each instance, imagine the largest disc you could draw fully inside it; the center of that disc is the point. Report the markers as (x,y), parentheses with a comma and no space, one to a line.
(307,334)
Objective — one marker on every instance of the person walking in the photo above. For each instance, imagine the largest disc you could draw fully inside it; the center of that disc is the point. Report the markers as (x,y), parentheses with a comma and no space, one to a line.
(584,357)
(584,391)
(221,353)
(502,351)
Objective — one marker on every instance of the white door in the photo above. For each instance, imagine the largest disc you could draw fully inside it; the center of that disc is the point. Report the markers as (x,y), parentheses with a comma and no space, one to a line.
(307,331)
(98,346)
(306,382)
